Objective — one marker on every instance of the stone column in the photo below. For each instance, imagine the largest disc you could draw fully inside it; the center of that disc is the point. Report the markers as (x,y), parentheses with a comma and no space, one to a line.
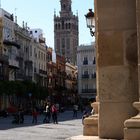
(91,123)
(117,71)
(132,126)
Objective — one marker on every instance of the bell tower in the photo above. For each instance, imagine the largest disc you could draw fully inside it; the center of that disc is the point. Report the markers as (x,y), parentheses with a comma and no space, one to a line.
(65,7)
(66,32)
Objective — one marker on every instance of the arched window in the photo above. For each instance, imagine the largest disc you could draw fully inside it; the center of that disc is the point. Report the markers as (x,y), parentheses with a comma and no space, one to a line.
(64,6)
(62,24)
(56,26)
(59,26)
(66,25)
(69,25)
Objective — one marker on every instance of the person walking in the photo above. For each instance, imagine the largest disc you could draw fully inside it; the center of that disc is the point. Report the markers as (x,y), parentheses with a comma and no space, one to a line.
(34,115)
(47,114)
(21,114)
(54,113)
(75,109)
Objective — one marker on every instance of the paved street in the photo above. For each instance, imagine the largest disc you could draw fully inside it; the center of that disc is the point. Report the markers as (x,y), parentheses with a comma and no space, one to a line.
(66,127)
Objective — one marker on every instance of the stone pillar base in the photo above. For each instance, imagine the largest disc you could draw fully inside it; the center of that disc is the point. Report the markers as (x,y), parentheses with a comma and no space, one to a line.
(132,126)
(131,134)
(91,123)
(91,126)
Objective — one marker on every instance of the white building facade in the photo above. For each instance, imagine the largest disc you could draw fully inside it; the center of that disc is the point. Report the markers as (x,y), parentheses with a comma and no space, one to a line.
(9,46)
(86,62)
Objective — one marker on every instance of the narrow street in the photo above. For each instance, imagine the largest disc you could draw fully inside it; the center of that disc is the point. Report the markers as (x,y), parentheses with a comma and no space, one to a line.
(67,126)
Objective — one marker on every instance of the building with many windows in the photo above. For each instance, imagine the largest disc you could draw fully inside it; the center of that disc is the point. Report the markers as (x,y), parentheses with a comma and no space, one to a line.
(8,47)
(86,71)
(66,34)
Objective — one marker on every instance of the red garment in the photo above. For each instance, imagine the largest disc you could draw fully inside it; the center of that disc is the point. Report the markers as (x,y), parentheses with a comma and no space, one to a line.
(34,113)
(54,109)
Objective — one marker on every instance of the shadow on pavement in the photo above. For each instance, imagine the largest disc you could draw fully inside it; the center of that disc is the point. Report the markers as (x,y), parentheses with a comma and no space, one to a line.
(6,123)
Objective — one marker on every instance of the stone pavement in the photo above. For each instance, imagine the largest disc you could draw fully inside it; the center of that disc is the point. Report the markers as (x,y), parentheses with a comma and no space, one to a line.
(81,137)
(67,127)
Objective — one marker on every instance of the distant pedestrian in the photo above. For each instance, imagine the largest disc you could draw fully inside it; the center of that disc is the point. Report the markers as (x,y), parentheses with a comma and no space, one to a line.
(54,113)
(21,114)
(34,115)
(75,110)
(85,115)
(47,113)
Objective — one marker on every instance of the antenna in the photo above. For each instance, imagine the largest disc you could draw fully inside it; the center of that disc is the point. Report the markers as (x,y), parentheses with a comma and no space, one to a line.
(0,3)
(15,15)
(77,12)
(15,11)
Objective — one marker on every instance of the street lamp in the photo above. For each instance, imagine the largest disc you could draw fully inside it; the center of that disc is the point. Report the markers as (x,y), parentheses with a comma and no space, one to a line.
(90,20)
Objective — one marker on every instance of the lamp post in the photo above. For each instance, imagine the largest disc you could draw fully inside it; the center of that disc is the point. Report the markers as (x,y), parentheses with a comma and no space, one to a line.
(90,20)
(90,127)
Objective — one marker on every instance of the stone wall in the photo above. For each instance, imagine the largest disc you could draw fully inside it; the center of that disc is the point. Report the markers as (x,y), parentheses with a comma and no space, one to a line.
(117,70)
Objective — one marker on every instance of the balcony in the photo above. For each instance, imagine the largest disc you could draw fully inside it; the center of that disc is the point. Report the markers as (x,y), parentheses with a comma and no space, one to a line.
(11,43)
(13,63)
(88,90)
(42,72)
(85,76)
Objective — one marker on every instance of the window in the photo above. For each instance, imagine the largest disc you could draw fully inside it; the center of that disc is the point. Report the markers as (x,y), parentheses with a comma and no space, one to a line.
(63,42)
(85,61)
(31,32)
(56,26)
(69,25)
(94,61)
(35,31)
(86,86)
(62,24)
(64,6)
(86,72)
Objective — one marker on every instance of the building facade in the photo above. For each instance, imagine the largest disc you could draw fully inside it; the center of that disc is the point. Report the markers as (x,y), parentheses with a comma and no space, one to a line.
(39,51)
(22,36)
(71,84)
(86,56)
(66,34)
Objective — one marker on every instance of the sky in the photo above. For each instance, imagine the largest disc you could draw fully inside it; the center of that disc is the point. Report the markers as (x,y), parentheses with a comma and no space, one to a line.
(40,13)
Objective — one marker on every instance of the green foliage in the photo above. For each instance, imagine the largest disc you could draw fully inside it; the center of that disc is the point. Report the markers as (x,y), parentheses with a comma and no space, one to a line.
(23,88)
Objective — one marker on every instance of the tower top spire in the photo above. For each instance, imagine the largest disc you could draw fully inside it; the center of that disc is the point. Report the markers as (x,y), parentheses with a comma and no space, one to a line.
(65,7)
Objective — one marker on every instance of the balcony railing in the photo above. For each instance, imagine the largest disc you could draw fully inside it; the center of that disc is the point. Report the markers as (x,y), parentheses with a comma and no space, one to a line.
(85,76)
(88,90)
(13,43)
(42,72)
(13,63)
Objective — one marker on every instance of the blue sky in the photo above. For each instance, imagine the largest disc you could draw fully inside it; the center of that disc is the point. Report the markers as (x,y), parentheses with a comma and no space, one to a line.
(39,14)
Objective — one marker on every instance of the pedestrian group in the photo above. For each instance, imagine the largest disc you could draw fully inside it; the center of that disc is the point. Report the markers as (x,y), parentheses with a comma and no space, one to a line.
(51,110)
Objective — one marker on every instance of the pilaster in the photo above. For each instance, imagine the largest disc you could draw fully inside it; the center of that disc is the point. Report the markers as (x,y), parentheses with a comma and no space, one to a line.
(117,70)
(132,125)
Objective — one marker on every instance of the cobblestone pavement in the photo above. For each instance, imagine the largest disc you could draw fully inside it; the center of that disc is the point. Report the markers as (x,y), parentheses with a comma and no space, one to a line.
(66,127)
